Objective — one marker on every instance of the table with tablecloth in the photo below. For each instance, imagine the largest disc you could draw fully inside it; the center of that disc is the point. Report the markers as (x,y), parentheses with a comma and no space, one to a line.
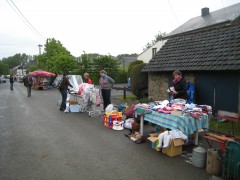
(188,125)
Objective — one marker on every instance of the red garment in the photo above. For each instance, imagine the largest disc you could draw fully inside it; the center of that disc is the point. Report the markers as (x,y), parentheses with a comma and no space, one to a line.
(89,81)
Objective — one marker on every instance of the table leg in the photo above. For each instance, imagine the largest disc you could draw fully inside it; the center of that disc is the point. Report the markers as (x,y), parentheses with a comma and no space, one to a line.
(196,138)
(141,125)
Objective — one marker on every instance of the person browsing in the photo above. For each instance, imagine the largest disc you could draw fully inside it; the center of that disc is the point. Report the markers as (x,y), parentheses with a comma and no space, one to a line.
(106,83)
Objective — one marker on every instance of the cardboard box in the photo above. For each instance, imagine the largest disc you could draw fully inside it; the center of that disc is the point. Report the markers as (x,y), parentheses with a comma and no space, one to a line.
(154,139)
(71,102)
(174,149)
(154,134)
(176,113)
(154,143)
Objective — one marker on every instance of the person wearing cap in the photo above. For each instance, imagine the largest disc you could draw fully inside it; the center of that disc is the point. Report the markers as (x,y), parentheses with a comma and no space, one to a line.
(87,78)
(106,83)
(179,84)
(63,89)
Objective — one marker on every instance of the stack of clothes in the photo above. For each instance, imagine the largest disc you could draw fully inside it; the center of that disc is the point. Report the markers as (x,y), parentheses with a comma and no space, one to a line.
(166,107)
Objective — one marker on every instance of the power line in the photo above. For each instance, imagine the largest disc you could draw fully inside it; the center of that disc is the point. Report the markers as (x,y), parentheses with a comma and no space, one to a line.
(20,44)
(25,20)
(175,15)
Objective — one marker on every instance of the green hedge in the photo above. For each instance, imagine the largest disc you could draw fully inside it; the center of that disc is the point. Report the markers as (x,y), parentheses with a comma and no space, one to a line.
(139,81)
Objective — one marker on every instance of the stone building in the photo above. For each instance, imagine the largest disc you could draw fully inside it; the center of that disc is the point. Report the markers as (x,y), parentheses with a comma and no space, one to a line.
(207,50)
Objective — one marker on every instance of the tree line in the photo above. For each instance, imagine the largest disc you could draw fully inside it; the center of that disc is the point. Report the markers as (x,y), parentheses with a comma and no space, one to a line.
(57,59)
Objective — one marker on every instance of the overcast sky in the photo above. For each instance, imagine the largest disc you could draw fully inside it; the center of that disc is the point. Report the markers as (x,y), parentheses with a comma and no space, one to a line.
(94,26)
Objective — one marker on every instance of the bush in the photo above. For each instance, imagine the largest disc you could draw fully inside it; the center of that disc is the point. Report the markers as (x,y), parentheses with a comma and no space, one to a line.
(139,81)
(121,76)
(132,64)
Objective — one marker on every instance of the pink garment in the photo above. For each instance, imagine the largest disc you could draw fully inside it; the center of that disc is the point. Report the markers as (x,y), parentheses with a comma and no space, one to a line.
(102,83)
(98,99)
(81,88)
(164,111)
(177,106)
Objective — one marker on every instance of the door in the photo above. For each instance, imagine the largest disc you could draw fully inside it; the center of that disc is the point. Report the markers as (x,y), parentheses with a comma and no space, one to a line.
(218,89)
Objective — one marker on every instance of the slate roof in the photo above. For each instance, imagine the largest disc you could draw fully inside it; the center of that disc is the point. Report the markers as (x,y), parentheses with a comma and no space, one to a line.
(223,15)
(213,49)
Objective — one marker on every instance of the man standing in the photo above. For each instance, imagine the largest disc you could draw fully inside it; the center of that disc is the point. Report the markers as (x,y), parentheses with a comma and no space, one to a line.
(11,82)
(63,87)
(28,81)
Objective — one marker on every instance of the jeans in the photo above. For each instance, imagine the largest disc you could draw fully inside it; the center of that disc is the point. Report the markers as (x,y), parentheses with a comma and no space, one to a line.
(11,86)
(29,88)
(64,99)
(106,94)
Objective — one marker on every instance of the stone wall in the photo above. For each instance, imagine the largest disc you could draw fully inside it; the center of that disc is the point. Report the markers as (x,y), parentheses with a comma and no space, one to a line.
(158,84)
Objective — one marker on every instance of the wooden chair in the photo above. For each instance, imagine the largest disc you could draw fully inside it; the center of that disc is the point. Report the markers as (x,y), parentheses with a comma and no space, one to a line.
(228,116)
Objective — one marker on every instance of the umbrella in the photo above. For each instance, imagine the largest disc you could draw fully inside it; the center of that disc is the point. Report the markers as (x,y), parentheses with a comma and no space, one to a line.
(42,73)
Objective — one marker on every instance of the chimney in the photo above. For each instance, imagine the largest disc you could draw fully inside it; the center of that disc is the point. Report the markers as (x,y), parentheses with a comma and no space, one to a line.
(205,11)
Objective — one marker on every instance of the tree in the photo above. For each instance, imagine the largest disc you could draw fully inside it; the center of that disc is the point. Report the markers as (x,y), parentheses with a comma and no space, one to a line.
(132,64)
(158,37)
(120,56)
(32,68)
(85,63)
(56,58)
(106,63)
(4,69)
(16,60)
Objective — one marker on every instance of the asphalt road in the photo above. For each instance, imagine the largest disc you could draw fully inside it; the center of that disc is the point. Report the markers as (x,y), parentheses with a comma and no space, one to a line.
(37,141)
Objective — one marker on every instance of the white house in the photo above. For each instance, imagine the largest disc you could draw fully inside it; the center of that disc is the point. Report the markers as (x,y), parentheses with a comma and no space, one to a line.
(149,53)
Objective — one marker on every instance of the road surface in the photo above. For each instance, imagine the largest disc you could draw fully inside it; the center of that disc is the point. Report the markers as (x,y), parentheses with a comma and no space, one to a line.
(37,141)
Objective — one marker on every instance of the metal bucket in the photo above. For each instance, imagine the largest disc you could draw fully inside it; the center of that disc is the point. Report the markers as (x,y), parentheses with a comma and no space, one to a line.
(199,157)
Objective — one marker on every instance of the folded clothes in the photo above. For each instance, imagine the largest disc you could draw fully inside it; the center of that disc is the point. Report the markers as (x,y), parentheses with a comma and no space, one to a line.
(164,110)
(177,106)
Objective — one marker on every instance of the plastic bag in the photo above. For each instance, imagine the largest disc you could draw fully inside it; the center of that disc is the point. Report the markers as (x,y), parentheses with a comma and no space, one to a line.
(109,108)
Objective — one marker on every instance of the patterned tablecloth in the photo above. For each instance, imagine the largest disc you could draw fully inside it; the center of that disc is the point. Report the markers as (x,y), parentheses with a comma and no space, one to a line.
(188,125)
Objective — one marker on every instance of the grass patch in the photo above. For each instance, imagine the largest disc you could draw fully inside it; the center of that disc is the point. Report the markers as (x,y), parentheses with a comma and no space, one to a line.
(128,98)
(225,127)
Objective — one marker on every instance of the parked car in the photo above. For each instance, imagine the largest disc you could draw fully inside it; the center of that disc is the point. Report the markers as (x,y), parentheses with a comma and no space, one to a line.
(20,78)
(3,79)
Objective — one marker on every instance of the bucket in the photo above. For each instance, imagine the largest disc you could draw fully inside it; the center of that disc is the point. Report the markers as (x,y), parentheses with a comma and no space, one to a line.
(213,166)
(199,157)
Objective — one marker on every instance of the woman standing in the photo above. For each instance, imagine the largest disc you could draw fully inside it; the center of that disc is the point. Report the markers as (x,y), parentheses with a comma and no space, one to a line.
(87,78)
(106,83)
(179,84)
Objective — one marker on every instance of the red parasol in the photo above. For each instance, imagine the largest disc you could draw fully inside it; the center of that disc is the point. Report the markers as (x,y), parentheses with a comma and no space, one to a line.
(42,73)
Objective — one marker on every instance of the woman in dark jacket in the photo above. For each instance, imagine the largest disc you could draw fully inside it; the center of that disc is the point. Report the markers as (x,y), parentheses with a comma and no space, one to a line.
(179,84)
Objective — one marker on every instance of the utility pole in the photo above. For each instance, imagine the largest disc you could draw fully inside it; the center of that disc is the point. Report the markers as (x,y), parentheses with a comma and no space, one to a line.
(40,46)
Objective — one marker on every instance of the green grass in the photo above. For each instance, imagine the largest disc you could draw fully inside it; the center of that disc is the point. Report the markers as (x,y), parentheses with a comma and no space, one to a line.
(128,98)
(225,127)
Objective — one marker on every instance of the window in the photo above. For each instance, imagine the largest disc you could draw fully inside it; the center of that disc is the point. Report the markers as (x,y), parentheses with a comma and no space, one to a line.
(154,51)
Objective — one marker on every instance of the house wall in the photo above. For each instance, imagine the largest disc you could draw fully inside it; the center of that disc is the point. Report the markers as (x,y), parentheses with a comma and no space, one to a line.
(158,83)
(146,56)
